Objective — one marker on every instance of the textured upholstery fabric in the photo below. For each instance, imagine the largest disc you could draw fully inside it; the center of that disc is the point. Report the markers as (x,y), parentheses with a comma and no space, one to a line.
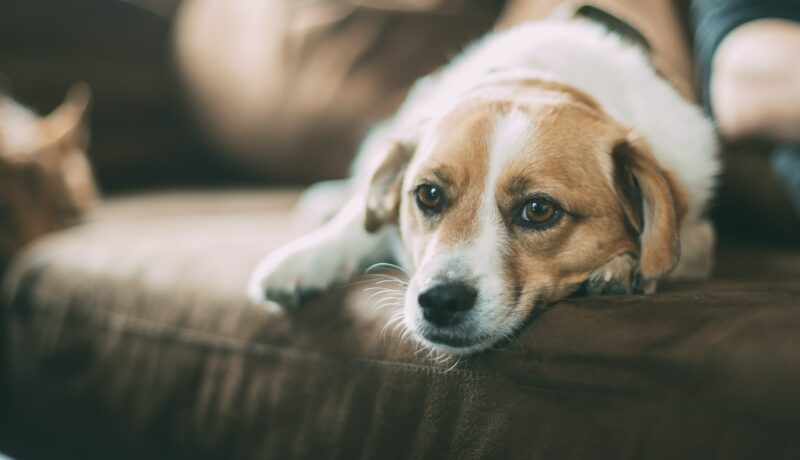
(131,336)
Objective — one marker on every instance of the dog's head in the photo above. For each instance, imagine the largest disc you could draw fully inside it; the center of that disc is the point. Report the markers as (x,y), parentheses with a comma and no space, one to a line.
(521,194)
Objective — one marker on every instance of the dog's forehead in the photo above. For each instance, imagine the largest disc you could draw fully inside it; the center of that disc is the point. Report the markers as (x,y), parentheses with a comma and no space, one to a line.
(461,134)
(567,146)
(552,138)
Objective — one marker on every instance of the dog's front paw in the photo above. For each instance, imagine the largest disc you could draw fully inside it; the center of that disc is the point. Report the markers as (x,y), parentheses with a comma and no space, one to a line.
(291,276)
(615,277)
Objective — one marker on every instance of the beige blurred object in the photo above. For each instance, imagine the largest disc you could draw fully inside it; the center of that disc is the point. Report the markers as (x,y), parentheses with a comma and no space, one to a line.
(755,81)
(289,87)
(46,182)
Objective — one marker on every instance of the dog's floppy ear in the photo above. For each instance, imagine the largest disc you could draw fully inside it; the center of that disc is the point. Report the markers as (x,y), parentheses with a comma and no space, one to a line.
(383,194)
(654,205)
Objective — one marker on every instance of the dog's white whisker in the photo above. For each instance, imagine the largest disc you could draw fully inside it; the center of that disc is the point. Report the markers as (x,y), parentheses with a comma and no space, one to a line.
(390,301)
(383,305)
(385,265)
(393,280)
(381,276)
(406,335)
(377,288)
(383,291)
(390,296)
(391,326)
(384,294)
(394,320)
(390,281)
(445,360)
(453,366)
(393,294)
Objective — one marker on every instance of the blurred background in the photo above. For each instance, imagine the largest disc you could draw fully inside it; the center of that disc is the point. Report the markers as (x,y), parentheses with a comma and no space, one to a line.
(264,93)
(190,92)
(141,133)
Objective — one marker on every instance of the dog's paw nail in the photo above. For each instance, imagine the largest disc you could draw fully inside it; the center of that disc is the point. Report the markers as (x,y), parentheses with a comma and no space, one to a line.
(602,286)
(616,277)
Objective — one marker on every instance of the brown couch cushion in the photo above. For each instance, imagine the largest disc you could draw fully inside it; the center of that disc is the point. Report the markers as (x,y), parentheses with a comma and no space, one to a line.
(132,336)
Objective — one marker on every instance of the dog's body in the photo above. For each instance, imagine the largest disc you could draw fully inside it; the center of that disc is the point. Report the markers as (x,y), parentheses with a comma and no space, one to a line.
(545,159)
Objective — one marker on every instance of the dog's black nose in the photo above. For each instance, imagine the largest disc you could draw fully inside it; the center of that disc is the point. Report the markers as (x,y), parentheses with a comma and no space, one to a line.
(441,304)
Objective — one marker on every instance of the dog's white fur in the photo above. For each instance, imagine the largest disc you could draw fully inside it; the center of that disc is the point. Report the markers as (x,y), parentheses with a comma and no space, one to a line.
(578,53)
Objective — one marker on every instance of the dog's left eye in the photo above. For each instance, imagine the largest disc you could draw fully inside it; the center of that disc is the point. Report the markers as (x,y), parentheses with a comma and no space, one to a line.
(539,212)
(429,197)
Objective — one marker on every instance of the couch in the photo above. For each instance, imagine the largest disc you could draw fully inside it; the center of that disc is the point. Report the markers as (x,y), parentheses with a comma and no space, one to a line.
(130,336)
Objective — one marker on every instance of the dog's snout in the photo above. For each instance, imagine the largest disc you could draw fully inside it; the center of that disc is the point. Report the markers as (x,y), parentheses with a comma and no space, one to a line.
(441,304)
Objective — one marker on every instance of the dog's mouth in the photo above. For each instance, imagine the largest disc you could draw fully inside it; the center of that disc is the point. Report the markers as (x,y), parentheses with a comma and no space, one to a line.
(463,339)
(451,340)
(455,343)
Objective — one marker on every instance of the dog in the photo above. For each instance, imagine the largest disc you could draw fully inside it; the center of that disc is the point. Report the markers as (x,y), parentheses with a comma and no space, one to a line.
(546,160)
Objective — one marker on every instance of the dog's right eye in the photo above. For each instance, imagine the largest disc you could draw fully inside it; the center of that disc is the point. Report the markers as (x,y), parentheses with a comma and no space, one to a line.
(539,212)
(429,198)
